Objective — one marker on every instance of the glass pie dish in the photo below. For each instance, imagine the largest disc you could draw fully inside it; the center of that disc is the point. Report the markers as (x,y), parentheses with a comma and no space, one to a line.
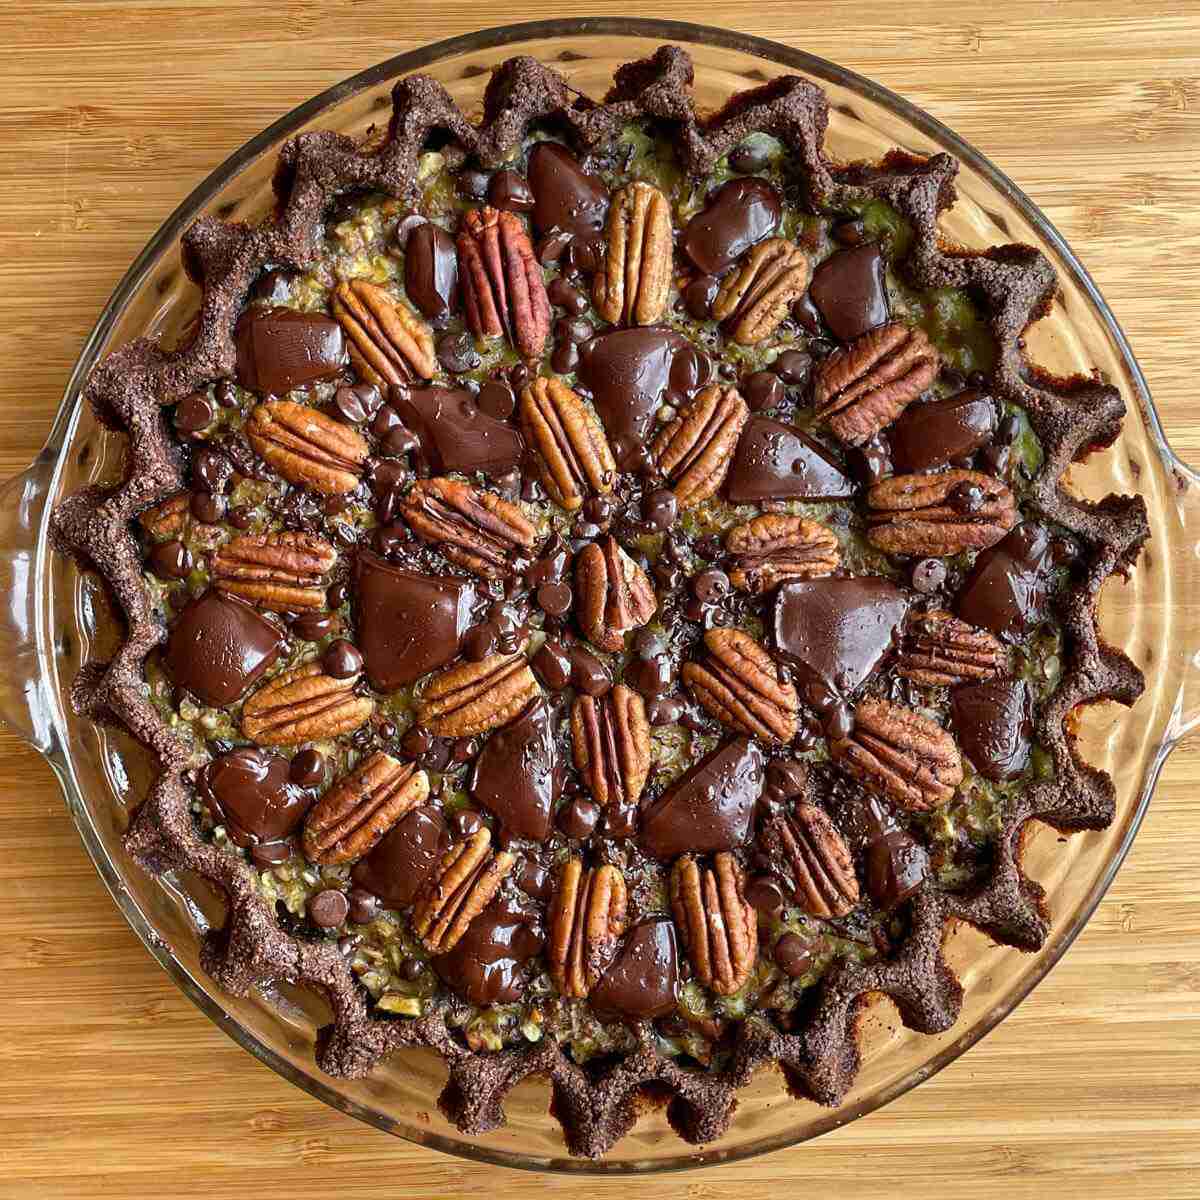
(59,619)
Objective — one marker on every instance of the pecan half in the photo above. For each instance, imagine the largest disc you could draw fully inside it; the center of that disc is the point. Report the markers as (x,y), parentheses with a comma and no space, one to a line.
(695,450)
(502,286)
(306,447)
(463,885)
(900,755)
(587,919)
(934,515)
(388,342)
(775,546)
(477,530)
(361,807)
(168,518)
(818,859)
(474,697)
(302,705)
(572,448)
(942,650)
(742,686)
(719,926)
(756,297)
(277,571)
(614,595)
(632,287)
(610,736)
(865,386)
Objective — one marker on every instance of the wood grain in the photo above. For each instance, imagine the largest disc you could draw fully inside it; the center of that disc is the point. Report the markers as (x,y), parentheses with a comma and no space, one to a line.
(113,1084)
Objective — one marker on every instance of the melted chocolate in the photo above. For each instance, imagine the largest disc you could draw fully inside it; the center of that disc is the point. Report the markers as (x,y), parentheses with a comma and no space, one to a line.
(1006,590)
(279,349)
(993,723)
(398,866)
(250,789)
(518,776)
(643,981)
(455,435)
(774,461)
(934,434)
(431,271)
(565,197)
(897,864)
(739,214)
(850,292)
(487,966)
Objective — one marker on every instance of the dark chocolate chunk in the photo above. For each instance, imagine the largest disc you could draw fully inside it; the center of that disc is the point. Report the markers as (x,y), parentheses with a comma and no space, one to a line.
(763,389)
(1006,590)
(279,349)
(342,659)
(588,674)
(643,981)
(356,404)
(933,434)
(774,461)
(897,865)
(251,791)
(455,435)
(850,292)
(398,866)
(170,560)
(518,776)
(739,214)
(487,966)
(578,818)
(307,768)
(750,156)
(508,190)
(563,295)
(993,723)
(565,197)
(552,665)
(431,271)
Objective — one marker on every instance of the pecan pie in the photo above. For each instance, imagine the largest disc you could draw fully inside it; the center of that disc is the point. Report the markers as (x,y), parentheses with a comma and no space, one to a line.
(605,604)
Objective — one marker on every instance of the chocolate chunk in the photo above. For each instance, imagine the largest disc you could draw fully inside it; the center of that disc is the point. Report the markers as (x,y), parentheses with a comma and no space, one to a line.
(738,215)
(850,292)
(455,435)
(170,560)
(643,981)
(710,807)
(562,294)
(660,509)
(552,665)
(579,818)
(518,776)
(496,399)
(993,723)
(408,624)
(356,404)
(220,647)
(774,461)
(793,367)
(1006,590)
(211,470)
(431,271)
(933,434)
(897,865)
(457,354)
(307,768)
(699,295)
(328,908)
(312,627)
(193,414)
(487,966)
(508,190)
(565,197)
(664,710)
(588,674)
(398,866)
(342,659)
(251,791)
(763,389)
(279,349)
(794,955)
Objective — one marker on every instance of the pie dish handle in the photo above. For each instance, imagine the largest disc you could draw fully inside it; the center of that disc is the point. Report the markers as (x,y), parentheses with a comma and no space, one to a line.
(1180,623)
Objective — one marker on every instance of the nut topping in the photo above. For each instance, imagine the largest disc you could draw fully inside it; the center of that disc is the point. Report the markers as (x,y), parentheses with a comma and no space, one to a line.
(773,547)
(632,287)
(502,286)
(695,450)
(940,650)
(756,297)
(477,530)
(461,887)
(719,926)
(388,342)
(361,807)
(741,685)
(169,517)
(587,919)
(572,448)
(611,739)
(864,387)
(282,572)
(306,447)
(473,697)
(900,755)
(302,705)
(614,595)
(928,516)
(822,869)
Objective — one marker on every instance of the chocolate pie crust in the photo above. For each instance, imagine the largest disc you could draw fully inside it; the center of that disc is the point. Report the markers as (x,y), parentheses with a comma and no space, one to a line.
(1015,286)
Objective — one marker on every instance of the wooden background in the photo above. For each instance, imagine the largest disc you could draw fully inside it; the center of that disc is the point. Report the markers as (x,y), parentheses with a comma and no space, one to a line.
(113,1084)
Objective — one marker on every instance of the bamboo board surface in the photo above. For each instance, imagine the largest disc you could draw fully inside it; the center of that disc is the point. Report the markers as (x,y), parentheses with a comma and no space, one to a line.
(114,1085)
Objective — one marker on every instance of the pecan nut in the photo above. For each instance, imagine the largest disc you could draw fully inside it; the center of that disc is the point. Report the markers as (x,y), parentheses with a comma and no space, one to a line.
(302,705)
(282,572)
(775,546)
(865,386)
(695,450)
(756,297)
(473,697)
(388,342)
(306,447)
(587,919)
(614,595)
(941,650)
(477,530)
(632,286)
(819,861)
(570,442)
(929,516)
(610,736)
(900,755)
(719,925)
(502,286)
(461,887)
(168,518)
(743,687)
(361,807)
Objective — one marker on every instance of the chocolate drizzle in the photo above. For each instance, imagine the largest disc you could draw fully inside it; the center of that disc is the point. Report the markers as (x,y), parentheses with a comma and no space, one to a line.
(130,389)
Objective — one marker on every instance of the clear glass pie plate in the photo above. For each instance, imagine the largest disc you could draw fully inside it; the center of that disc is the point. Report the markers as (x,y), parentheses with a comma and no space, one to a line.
(56,619)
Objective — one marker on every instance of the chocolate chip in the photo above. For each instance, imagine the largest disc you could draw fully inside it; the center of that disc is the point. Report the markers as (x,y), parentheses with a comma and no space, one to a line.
(411,969)
(338,594)
(307,768)
(552,665)
(699,295)
(207,508)
(552,247)
(763,389)
(534,880)
(416,742)
(405,228)
(793,367)
(928,575)
(211,470)
(750,157)
(555,598)
(398,441)
(807,316)
(849,233)
(170,560)
(588,674)
(565,357)
(356,404)
(271,854)
(274,286)
(565,296)
(794,955)
(464,749)
(598,510)
(664,710)
(193,413)
(241,517)
(328,909)
(226,393)
(497,400)
(510,191)
(457,354)
(660,509)
(710,585)
(391,539)
(466,822)
(966,497)
(364,907)
(342,659)
(478,643)
(472,183)
(579,818)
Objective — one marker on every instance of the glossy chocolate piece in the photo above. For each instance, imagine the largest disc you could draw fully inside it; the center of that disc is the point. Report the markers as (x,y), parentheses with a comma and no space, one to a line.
(456,435)
(565,197)
(897,864)
(775,461)
(518,775)
(993,724)
(643,981)
(739,214)
(279,349)
(487,966)
(933,434)
(794,955)
(850,291)
(431,271)
(220,647)
(408,624)
(1006,590)
(710,807)
(251,791)
(395,870)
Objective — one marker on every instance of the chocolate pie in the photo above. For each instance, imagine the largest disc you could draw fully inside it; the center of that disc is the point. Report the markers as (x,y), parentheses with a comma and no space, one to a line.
(600,594)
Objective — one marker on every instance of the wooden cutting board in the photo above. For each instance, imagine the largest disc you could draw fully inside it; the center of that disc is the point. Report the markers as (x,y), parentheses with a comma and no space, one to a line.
(113,1084)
